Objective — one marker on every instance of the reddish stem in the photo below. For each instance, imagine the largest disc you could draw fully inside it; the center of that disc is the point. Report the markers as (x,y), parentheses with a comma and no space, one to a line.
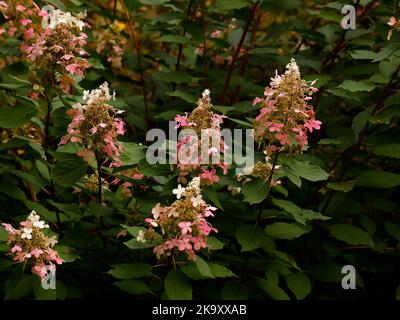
(231,67)
(137,45)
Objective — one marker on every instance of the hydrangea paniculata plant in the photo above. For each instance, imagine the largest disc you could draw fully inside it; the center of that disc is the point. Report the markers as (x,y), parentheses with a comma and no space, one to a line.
(182,226)
(29,245)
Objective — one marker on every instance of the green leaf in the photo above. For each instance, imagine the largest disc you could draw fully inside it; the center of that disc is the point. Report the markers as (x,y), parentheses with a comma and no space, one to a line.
(299,214)
(351,235)
(388,150)
(241,122)
(133,153)
(11,86)
(255,191)
(18,285)
(11,190)
(378,179)
(172,76)
(183,95)
(133,286)
(292,175)
(211,194)
(58,4)
(3,234)
(359,122)
(67,253)
(174,39)
(61,290)
(341,186)
(42,211)
(43,294)
(252,238)
(130,271)
(393,230)
(326,272)
(13,117)
(224,5)
(203,268)
(68,171)
(263,51)
(356,86)
(327,15)
(308,171)
(43,170)
(192,272)
(153,2)
(214,243)
(233,290)
(96,64)
(177,286)
(282,230)
(134,244)
(220,271)
(368,224)
(387,68)
(362,54)
(387,51)
(234,39)
(133,231)
(299,284)
(272,289)
(322,79)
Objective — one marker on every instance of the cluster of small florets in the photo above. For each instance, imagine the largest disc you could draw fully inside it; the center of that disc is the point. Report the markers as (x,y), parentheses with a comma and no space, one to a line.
(394,23)
(96,126)
(262,169)
(286,116)
(23,19)
(91,183)
(111,43)
(29,245)
(57,51)
(27,130)
(124,178)
(182,226)
(219,54)
(208,142)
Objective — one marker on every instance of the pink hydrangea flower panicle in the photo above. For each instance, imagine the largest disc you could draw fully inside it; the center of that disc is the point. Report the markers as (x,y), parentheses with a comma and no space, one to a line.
(183,225)
(29,245)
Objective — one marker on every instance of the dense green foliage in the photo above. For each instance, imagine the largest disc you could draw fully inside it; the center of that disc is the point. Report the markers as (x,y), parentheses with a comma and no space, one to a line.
(337,203)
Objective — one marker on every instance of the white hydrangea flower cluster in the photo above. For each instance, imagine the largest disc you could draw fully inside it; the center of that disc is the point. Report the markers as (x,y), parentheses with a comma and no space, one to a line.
(292,67)
(33,221)
(96,96)
(58,17)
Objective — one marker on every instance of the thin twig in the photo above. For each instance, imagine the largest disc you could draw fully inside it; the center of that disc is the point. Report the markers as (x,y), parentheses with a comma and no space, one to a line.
(115,8)
(245,59)
(137,45)
(48,116)
(99,184)
(49,98)
(180,50)
(203,31)
(231,67)
(303,40)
